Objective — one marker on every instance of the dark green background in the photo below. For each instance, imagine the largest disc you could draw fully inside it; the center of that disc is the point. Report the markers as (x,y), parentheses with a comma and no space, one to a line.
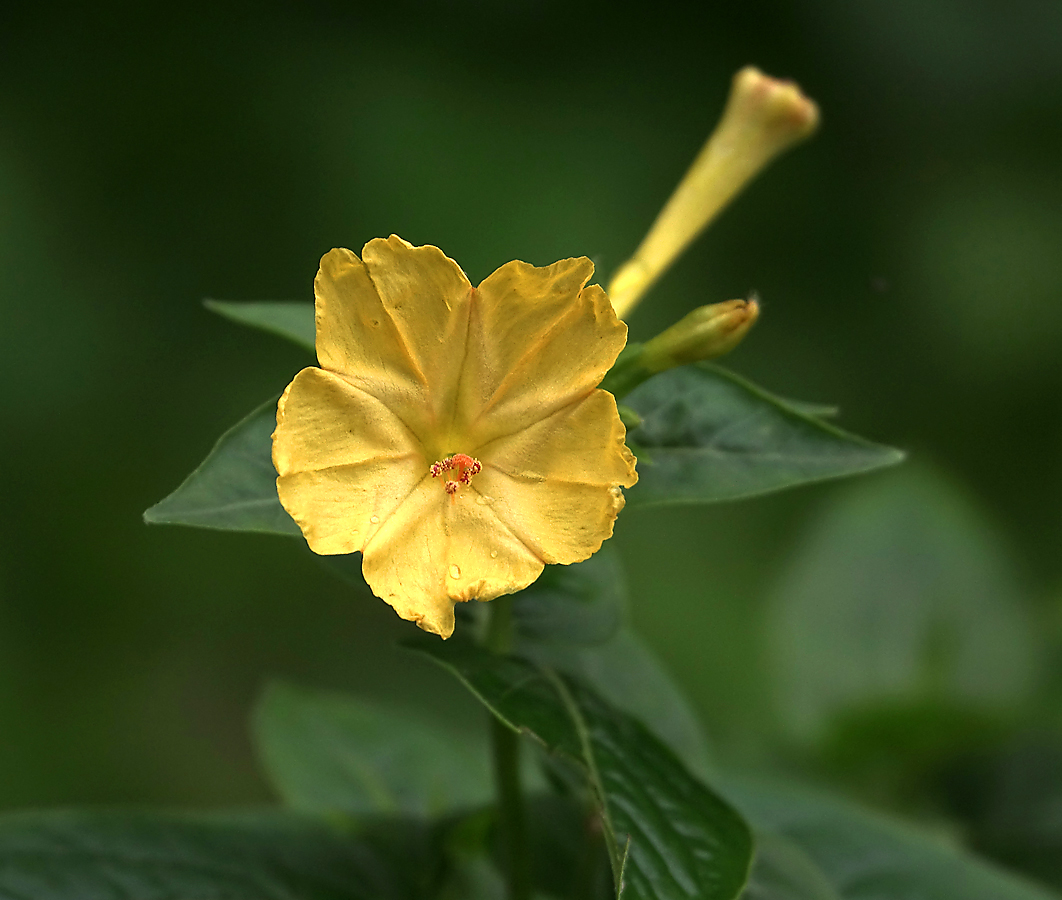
(909,259)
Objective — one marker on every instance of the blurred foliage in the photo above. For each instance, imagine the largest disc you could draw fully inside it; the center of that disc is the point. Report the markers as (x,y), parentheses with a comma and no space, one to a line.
(915,588)
(153,156)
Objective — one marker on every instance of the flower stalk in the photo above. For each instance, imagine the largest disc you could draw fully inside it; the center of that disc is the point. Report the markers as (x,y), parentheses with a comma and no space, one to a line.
(505,749)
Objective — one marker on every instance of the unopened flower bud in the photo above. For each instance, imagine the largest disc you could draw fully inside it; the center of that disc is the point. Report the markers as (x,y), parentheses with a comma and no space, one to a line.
(763,117)
(706,333)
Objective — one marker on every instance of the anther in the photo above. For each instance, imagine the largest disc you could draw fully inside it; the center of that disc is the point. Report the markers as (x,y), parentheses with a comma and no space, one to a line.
(451,487)
(443,465)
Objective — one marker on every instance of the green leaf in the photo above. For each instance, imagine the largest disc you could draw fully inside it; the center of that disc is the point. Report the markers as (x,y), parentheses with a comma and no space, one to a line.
(901,603)
(867,856)
(566,847)
(330,753)
(782,871)
(235,487)
(816,410)
(291,320)
(580,604)
(122,856)
(685,842)
(626,673)
(572,620)
(708,435)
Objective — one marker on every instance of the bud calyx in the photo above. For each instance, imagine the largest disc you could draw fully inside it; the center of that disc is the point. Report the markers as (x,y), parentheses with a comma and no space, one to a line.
(706,333)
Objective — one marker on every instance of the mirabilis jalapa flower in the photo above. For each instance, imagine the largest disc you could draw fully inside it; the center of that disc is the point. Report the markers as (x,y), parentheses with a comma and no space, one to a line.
(454,435)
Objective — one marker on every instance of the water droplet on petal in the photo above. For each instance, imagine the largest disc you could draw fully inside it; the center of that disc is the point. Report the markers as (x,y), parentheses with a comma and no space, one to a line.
(455,571)
(493,554)
(374,519)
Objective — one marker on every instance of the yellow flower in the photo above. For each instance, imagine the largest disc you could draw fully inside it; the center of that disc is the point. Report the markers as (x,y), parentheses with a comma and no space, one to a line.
(454,435)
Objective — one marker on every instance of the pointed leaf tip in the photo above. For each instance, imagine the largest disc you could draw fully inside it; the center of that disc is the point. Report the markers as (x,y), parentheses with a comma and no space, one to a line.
(289,319)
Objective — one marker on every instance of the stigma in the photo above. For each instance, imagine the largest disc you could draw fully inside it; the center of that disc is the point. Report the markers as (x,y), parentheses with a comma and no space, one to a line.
(461,465)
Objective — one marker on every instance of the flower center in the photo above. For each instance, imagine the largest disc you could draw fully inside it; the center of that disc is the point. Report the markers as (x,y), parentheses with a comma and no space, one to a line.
(461,465)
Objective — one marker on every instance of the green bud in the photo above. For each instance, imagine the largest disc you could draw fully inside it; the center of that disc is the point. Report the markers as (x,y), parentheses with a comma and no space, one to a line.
(706,333)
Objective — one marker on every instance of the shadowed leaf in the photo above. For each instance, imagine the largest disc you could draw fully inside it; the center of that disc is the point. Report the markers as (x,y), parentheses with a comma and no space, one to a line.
(141,856)
(685,842)
(330,753)
(866,856)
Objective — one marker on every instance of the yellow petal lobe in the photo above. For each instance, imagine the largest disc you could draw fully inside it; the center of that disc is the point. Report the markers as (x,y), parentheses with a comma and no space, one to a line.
(343,460)
(538,339)
(439,549)
(555,484)
(358,338)
(427,298)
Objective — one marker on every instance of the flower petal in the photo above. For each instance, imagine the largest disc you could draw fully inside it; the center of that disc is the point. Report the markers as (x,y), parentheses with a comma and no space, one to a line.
(325,421)
(427,297)
(357,338)
(344,461)
(438,549)
(556,483)
(538,339)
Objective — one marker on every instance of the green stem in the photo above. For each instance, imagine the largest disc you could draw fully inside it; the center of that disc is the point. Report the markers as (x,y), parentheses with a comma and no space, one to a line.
(627,372)
(505,744)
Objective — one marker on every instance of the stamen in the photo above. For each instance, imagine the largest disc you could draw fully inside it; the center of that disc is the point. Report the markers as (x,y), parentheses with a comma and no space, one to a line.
(465,466)
(443,465)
